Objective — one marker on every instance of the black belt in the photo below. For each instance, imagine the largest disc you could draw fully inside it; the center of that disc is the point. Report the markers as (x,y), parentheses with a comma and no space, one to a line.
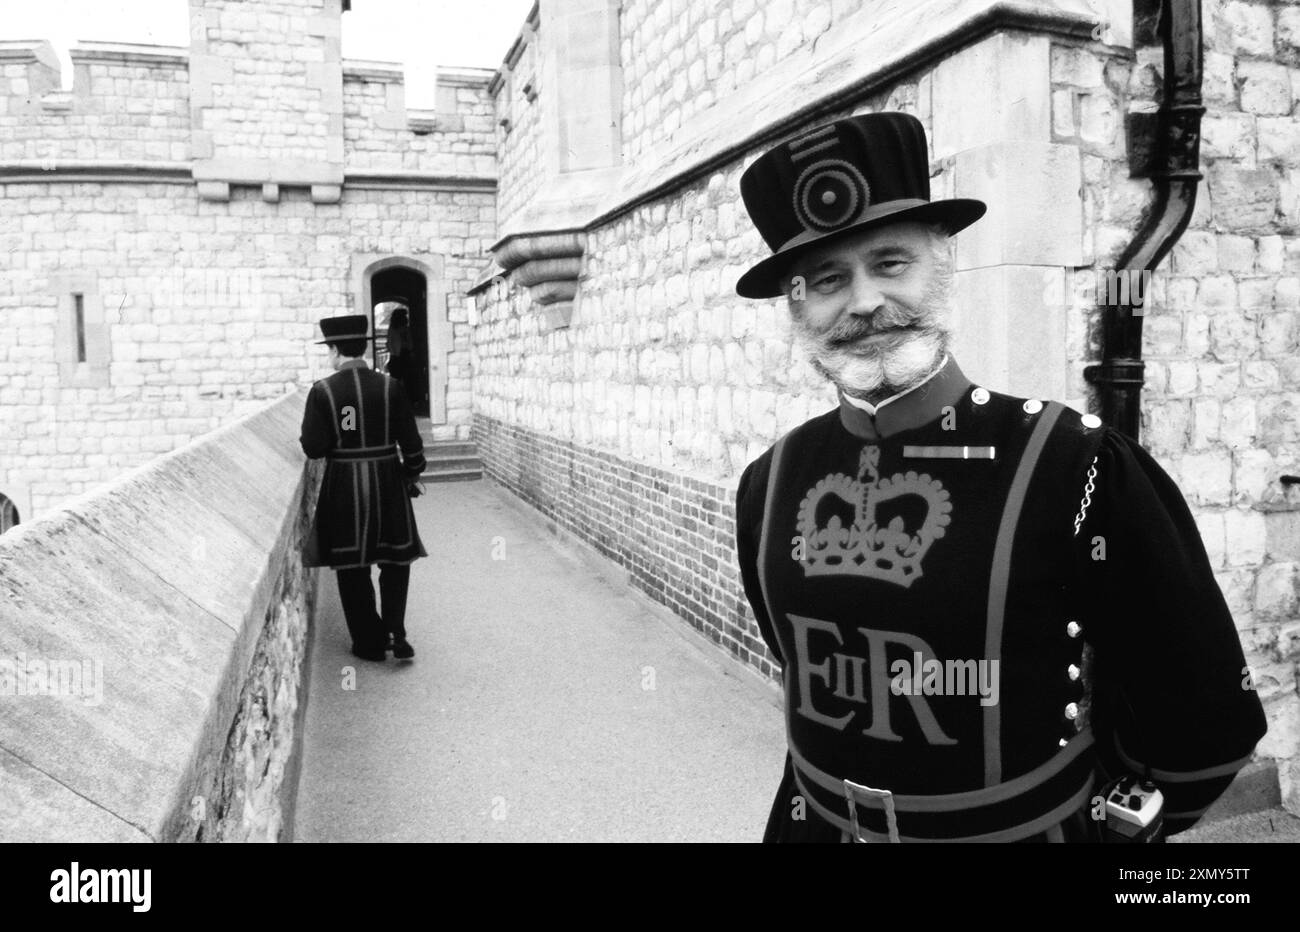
(361,454)
(1011,811)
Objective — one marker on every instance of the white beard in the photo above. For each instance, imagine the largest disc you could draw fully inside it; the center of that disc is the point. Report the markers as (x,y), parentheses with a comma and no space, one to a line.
(893,368)
(881,368)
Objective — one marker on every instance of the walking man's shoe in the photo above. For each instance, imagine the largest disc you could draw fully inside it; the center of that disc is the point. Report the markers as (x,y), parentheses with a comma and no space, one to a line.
(373,654)
(402,649)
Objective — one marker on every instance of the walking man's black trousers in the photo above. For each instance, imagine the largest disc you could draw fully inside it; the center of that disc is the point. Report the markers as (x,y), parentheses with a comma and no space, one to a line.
(368,628)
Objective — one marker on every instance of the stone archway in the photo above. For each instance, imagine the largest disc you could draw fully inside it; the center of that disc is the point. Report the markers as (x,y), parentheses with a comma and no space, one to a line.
(383,276)
(9,516)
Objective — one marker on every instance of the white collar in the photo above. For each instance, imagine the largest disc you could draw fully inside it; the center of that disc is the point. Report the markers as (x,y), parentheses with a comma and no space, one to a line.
(874,409)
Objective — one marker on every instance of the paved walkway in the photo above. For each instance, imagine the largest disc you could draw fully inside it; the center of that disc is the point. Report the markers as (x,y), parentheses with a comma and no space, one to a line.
(525,715)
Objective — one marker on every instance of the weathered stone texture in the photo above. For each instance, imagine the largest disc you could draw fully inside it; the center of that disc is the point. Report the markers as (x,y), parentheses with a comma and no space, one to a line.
(117,111)
(210,308)
(377,138)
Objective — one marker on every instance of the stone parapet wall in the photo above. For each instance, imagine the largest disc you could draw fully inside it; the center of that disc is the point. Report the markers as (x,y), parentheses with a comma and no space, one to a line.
(152,637)
(458,137)
(128,103)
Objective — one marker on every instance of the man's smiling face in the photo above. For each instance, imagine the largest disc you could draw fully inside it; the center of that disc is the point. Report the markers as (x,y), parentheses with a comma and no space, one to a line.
(871,308)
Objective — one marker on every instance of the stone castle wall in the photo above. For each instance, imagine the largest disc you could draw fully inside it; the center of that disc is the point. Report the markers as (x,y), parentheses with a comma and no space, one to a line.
(205,309)
(123,106)
(200,296)
(518,117)
(630,425)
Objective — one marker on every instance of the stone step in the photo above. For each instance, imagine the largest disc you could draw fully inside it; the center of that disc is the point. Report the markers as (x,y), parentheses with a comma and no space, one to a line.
(453,461)
(434,448)
(451,475)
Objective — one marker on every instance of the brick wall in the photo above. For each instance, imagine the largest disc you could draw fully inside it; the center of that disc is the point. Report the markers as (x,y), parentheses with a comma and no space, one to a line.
(674,533)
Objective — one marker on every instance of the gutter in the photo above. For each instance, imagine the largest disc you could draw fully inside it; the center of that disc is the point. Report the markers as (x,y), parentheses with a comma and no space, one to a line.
(1174,134)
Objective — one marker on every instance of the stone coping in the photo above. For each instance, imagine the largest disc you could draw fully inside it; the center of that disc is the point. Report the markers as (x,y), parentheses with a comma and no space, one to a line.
(29,51)
(162,579)
(391,71)
(465,77)
(130,52)
(878,44)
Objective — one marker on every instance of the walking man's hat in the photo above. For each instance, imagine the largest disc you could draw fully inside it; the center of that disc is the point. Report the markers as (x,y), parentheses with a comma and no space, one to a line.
(347,327)
(844,177)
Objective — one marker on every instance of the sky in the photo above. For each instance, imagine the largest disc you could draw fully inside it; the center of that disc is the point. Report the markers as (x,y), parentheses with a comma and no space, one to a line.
(419,33)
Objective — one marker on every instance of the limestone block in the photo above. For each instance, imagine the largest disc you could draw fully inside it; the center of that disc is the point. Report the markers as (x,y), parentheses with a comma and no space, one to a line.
(1244,199)
(1265,88)
(1006,337)
(1035,214)
(996,90)
(213,190)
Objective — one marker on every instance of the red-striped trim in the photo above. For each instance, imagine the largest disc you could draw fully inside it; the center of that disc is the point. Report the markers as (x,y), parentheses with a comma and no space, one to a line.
(1182,776)
(1000,574)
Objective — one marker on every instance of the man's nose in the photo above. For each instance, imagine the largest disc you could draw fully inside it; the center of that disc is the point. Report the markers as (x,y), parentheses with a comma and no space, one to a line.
(865,296)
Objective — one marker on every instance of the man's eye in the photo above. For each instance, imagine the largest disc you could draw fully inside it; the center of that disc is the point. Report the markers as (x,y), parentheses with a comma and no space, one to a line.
(830,280)
(892,265)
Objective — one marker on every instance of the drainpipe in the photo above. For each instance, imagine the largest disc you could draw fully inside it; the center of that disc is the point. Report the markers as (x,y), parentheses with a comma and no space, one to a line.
(1163,146)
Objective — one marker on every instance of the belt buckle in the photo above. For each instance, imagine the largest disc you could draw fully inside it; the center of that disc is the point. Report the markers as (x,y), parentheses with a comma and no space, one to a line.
(854,792)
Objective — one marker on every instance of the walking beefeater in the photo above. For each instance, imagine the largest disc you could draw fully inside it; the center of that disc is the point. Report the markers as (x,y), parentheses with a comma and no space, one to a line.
(986,608)
(361,422)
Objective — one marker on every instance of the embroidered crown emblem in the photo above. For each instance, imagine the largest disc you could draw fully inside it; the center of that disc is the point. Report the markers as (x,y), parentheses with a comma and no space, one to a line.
(892,552)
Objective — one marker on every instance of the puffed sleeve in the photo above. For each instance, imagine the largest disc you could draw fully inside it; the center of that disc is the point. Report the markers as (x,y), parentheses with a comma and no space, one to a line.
(751,497)
(1169,684)
(317,436)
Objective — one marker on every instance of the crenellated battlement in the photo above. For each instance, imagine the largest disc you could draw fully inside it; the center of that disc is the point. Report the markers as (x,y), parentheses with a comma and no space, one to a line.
(131,110)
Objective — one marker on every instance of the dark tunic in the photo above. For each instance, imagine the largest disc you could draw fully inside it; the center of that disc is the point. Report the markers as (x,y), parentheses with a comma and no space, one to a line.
(361,422)
(929,576)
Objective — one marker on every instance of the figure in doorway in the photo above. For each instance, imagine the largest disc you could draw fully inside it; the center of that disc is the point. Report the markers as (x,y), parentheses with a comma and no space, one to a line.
(401,348)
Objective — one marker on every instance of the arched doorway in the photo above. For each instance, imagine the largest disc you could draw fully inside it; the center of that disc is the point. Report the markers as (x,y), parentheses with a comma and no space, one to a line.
(403,287)
(8,514)
(381,283)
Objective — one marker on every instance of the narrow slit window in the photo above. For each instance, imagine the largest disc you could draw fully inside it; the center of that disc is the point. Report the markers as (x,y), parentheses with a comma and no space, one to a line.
(79,309)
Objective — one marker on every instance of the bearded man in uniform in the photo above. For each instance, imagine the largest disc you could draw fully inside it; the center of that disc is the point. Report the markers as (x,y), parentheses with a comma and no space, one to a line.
(985,607)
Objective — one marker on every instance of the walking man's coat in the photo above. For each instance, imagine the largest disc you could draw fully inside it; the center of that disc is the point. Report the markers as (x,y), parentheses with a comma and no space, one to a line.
(359,420)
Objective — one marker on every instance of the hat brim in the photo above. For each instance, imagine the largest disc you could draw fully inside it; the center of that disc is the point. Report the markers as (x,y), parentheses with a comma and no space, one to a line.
(763,280)
(364,336)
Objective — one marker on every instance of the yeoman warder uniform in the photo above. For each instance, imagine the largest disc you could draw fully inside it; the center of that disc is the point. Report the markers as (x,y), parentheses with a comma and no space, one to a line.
(361,422)
(982,605)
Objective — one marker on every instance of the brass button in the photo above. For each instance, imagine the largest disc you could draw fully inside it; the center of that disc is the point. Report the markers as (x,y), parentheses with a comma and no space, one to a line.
(1032,406)
(1090,421)
(1072,711)
(980,396)
(1074,629)
(1073,671)
(1064,741)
